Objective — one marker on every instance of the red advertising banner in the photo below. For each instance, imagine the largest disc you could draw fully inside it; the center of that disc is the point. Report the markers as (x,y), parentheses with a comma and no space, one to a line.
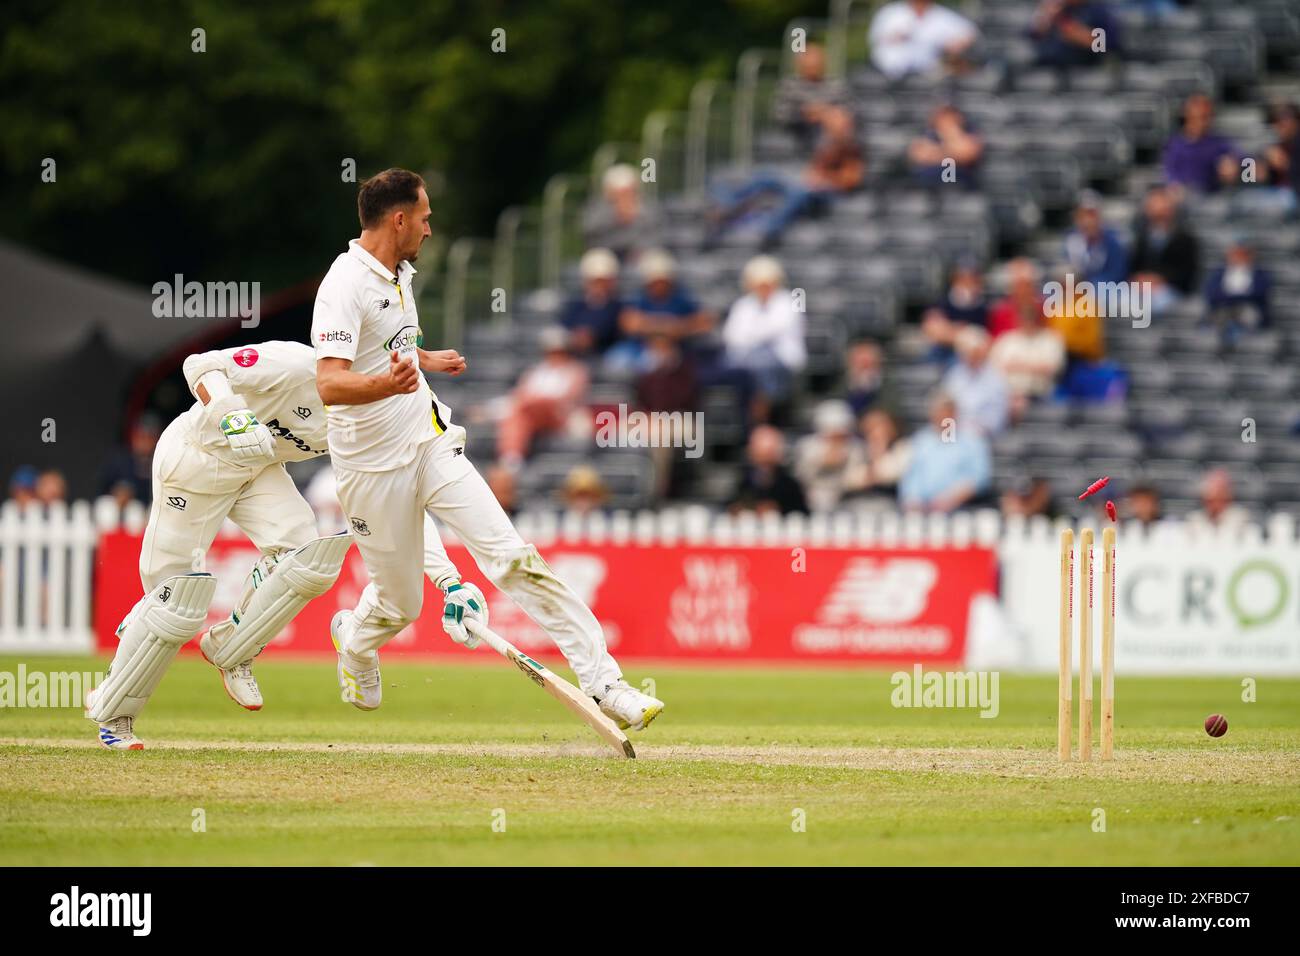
(754,604)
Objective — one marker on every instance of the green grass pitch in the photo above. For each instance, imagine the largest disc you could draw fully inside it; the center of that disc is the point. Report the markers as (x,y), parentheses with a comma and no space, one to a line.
(471,764)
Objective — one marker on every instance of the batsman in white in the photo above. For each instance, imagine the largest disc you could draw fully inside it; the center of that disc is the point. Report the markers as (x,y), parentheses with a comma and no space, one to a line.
(397,458)
(224,458)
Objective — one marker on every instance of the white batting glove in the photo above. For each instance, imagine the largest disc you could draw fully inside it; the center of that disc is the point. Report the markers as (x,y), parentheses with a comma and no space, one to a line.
(250,440)
(462,601)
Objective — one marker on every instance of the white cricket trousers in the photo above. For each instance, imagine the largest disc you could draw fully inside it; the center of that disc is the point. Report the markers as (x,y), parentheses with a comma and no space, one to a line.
(194,492)
(386,510)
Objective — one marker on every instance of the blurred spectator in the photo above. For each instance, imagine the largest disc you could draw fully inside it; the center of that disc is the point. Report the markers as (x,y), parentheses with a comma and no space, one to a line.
(662,307)
(764,334)
(836,167)
(826,460)
(1278,194)
(1143,504)
(1081,329)
(1065,32)
(951,464)
(888,455)
(51,486)
(504,488)
(670,385)
(547,394)
(766,485)
(1024,295)
(948,137)
(1237,294)
(975,384)
(1217,507)
(918,36)
(963,304)
(1030,359)
(624,221)
(22,486)
(584,490)
(1195,158)
(128,473)
(864,376)
(801,98)
(1165,253)
(1028,497)
(592,318)
(1094,251)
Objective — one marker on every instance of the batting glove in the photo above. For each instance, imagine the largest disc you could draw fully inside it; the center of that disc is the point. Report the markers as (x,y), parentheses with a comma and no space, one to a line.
(462,601)
(250,440)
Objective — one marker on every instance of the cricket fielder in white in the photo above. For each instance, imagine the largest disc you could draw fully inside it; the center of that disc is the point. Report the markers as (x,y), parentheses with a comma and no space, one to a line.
(397,458)
(224,458)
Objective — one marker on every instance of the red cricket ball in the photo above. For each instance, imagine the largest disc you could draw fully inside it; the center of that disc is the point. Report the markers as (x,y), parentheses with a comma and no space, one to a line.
(1216,725)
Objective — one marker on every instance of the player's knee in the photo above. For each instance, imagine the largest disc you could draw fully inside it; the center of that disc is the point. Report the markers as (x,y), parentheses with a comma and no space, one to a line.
(517,566)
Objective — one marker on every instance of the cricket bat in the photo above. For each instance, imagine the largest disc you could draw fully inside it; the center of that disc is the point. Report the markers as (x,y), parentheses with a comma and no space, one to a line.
(559,688)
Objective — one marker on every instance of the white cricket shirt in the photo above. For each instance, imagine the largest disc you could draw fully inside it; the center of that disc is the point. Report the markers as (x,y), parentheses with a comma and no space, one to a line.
(277,380)
(364,312)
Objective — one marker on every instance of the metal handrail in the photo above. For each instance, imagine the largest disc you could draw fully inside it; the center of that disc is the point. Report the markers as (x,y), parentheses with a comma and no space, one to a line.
(553,208)
(748,70)
(453,301)
(697,133)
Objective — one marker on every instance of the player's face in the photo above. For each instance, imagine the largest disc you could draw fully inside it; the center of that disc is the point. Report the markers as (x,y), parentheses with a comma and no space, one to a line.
(415,228)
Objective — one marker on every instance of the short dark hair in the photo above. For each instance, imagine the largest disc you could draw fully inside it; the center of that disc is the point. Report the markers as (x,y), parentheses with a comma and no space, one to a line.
(385,191)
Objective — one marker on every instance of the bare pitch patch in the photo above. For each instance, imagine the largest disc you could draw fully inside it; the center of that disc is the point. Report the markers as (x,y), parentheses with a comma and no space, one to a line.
(1172,766)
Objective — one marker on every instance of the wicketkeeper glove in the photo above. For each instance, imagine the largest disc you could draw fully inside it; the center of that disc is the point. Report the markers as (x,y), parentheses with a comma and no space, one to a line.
(462,601)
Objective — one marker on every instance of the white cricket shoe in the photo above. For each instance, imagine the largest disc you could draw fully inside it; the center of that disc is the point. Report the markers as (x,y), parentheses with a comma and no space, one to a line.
(358,681)
(239,681)
(628,707)
(115,733)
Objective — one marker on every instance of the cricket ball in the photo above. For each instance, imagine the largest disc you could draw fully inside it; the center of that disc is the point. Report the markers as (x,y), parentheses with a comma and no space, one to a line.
(1216,725)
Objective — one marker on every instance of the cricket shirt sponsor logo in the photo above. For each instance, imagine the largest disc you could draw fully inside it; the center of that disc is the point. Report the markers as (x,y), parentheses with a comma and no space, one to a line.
(385,304)
(335,336)
(457,451)
(407,337)
(177,502)
(359,526)
(246,358)
(132,911)
(279,431)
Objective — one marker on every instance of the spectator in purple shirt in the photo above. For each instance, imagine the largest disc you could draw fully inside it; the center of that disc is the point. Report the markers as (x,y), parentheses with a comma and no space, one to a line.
(1197,159)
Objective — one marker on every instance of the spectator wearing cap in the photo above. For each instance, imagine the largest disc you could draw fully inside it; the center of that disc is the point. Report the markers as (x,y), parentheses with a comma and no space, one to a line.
(128,473)
(671,384)
(964,304)
(1237,294)
(1028,497)
(547,395)
(1218,508)
(801,97)
(1093,250)
(768,202)
(624,221)
(22,486)
(864,376)
(584,490)
(888,454)
(1030,359)
(1024,295)
(662,307)
(764,334)
(1196,159)
(948,151)
(919,37)
(766,484)
(1143,504)
(1066,32)
(830,457)
(592,317)
(975,384)
(951,465)
(1166,255)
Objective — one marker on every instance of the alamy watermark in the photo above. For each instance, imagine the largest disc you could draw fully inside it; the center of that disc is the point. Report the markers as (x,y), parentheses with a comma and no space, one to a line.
(208,300)
(637,429)
(1106,300)
(25,688)
(955,689)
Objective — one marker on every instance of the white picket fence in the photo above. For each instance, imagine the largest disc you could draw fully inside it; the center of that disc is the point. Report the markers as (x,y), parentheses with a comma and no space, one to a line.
(47,557)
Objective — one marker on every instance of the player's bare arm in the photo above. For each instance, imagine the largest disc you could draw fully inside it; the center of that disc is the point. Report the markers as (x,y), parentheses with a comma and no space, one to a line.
(337,384)
(446,361)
